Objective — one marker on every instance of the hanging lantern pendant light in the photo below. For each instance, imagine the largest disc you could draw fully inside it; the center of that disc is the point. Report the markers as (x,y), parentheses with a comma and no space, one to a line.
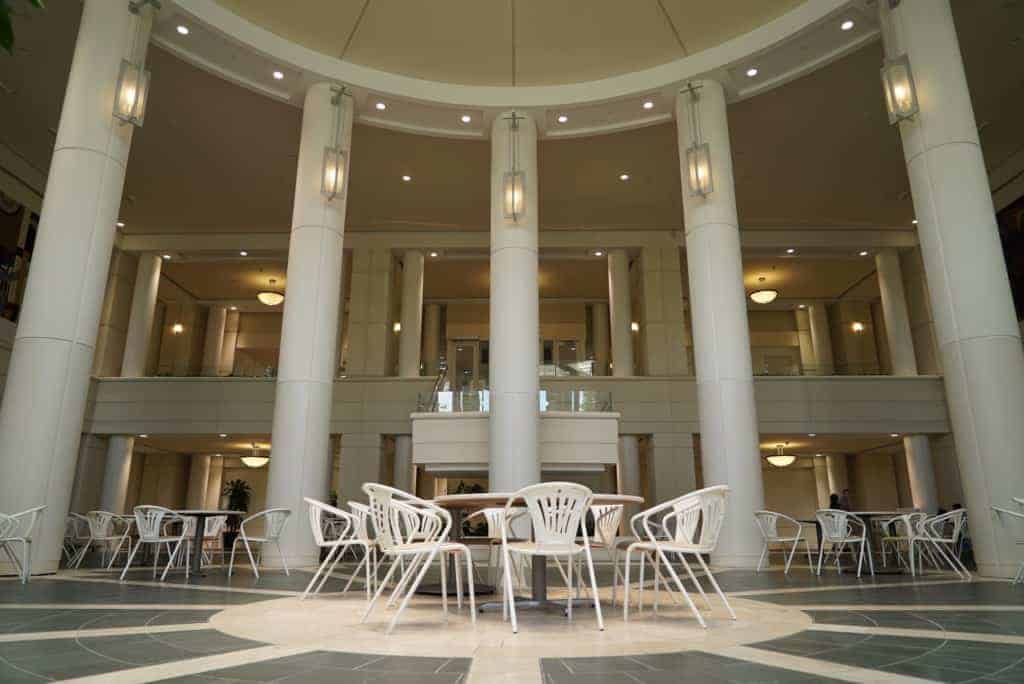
(132,90)
(698,155)
(514,181)
(334,174)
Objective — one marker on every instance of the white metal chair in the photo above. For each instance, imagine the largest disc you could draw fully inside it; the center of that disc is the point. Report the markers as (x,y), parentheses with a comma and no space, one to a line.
(607,520)
(388,506)
(897,533)
(76,535)
(274,520)
(1016,515)
(149,521)
(768,524)
(342,529)
(107,531)
(698,518)
(362,531)
(18,529)
(940,531)
(842,529)
(556,510)
(495,518)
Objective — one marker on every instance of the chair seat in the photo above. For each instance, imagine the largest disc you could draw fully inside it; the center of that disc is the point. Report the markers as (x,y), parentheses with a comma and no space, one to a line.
(842,540)
(157,540)
(668,546)
(415,548)
(783,539)
(348,541)
(535,549)
(896,539)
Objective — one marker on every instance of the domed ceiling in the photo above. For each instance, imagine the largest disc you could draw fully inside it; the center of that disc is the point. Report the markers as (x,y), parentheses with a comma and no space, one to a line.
(509,42)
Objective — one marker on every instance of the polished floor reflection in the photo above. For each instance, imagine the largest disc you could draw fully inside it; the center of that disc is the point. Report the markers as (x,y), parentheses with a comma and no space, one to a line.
(795,628)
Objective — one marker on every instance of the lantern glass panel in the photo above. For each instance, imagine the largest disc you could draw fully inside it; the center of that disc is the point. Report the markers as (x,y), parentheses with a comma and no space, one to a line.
(333,173)
(132,93)
(698,165)
(512,189)
(900,92)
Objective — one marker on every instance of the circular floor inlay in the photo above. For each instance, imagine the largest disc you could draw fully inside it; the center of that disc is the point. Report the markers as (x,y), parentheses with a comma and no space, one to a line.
(332,622)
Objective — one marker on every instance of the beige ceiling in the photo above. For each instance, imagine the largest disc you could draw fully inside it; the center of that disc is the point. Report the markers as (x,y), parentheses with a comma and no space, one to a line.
(831,444)
(811,278)
(238,279)
(585,278)
(509,42)
(202,444)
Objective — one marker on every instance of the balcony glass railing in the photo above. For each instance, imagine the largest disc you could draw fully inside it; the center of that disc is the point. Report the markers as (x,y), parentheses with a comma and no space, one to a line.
(467,401)
(796,370)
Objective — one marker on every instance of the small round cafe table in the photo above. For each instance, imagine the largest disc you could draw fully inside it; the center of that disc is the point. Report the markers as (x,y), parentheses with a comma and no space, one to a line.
(195,562)
(460,503)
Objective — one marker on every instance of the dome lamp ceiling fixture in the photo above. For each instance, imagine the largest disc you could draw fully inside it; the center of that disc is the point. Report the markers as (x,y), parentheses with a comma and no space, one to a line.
(258,459)
(763,296)
(514,182)
(335,165)
(270,297)
(780,459)
(698,155)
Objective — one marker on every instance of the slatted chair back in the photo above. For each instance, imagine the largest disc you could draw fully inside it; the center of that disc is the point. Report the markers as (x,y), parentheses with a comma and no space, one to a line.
(101,523)
(607,519)
(361,515)
(149,521)
(381,515)
(835,524)
(946,527)
(274,520)
(321,519)
(214,525)
(556,509)
(698,517)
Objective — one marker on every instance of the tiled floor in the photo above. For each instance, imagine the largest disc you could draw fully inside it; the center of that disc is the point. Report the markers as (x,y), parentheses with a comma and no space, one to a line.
(889,628)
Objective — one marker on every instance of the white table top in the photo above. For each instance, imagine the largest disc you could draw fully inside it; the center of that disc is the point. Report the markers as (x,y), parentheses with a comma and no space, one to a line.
(202,511)
(501,498)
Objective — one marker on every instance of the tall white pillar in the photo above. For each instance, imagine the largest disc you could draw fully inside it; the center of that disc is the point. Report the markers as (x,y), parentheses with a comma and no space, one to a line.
(602,340)
(116,310)
(410,338)
(821,481)
(140,322)
(305,380)
(403,462)
(837,469)
(45,396)
(628,472)
(730,451)
(215,483)
(894,313)
(515,312)
(921,473)
(116,472)
(432,338)
(198,480)
(979,340)
(621,313)
(227,349)
(821,338)
(803,332)
(213,342)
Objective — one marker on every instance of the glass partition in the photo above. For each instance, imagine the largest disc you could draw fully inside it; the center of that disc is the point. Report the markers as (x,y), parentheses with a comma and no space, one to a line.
(571,401)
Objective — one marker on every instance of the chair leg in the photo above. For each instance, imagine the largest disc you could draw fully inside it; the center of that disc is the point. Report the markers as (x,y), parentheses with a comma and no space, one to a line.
(380,589)
(714,583)
(860,556)
(657,588)
(472,591)
(810,560)
(231,563)
(355,573)
(764,552)
(131,557)
(789,559)
(509,598)
(640,589)
(412,589)
(458,582)
(682,589)
(252,561)
(284,561)
(156,559)
(568,585)
(693,578)
(319,570)
(614,552)
(81,554)
(821,555)
(444,587)
(177,547)
(625,586)
(593,586)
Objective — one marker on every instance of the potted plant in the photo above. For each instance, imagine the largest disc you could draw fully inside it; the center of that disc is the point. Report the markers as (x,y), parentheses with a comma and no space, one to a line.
(239,494)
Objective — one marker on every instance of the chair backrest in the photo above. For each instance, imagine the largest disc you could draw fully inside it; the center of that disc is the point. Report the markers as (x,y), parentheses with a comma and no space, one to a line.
(607,519)
(948,526)
(213,525)
(149,521)
(101,523)
(768,523)
(387,520)
(836,525)
(361,515)
(81,525)
(24,523)
(699,517)
(274,520)
(415,524)
(321,517)
(556,509)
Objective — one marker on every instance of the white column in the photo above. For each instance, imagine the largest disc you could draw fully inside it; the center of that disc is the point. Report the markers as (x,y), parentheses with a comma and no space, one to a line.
(979,339)
(215,483)
(601,322)
(305,380)
(515,315)
(410,338)
(213,342)
(227,349)
(45,397)
(117,304)
(140,322)
(116,473)
(837,469)
(921,473)
(621,313)
(821,338)
(89,472)
(198,479)
(432,338)
(803,332)
(821,481)
(628,471)
(721,335)
(403,462)
(894,313)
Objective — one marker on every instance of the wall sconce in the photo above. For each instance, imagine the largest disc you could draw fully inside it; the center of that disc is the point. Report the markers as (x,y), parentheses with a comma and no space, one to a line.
(514,181)
(634,326)
(177,329)
(698,155)
(334,176)
(397,327)
(900,92)
(857,327)
(132,89)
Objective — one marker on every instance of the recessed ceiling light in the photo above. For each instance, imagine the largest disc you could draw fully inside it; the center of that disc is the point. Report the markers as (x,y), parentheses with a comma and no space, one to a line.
(894,434)
(143,436)
(278,75)
(406,178)
(166,257)
(623,176)
(914,222)
(182,29)
(562,118)
(812,434)
(751,72)
(466,118)
(801,306)
(234,308)
(120,224)
(598,252)
(791,250)
(380,106)
(434,255)
(863,252)
(243,253)
(846,25)
(648,105)
(222,435)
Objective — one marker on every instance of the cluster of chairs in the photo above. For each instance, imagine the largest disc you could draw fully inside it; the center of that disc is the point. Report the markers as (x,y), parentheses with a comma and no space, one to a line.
(542,521)
(16,534)
(936,538)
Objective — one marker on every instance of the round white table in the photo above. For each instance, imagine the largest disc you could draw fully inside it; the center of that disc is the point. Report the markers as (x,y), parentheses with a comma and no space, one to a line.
(195,563)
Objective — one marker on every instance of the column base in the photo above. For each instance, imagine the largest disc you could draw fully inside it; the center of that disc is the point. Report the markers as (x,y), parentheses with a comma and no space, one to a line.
(998,570)
(734,561)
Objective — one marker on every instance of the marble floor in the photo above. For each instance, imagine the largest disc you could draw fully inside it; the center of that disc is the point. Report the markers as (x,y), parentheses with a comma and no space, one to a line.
(87,626)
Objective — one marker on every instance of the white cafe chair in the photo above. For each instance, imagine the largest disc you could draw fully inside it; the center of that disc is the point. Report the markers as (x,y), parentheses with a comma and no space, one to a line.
(150,521)
(389,512)
(698,518)
(897,533)
(18,529)
(937,532)
(76,535)
(274,520)
(107,530)
(841,529)
(768,524)
(556,510)
(1019,517)
(495,518)
(342,533)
